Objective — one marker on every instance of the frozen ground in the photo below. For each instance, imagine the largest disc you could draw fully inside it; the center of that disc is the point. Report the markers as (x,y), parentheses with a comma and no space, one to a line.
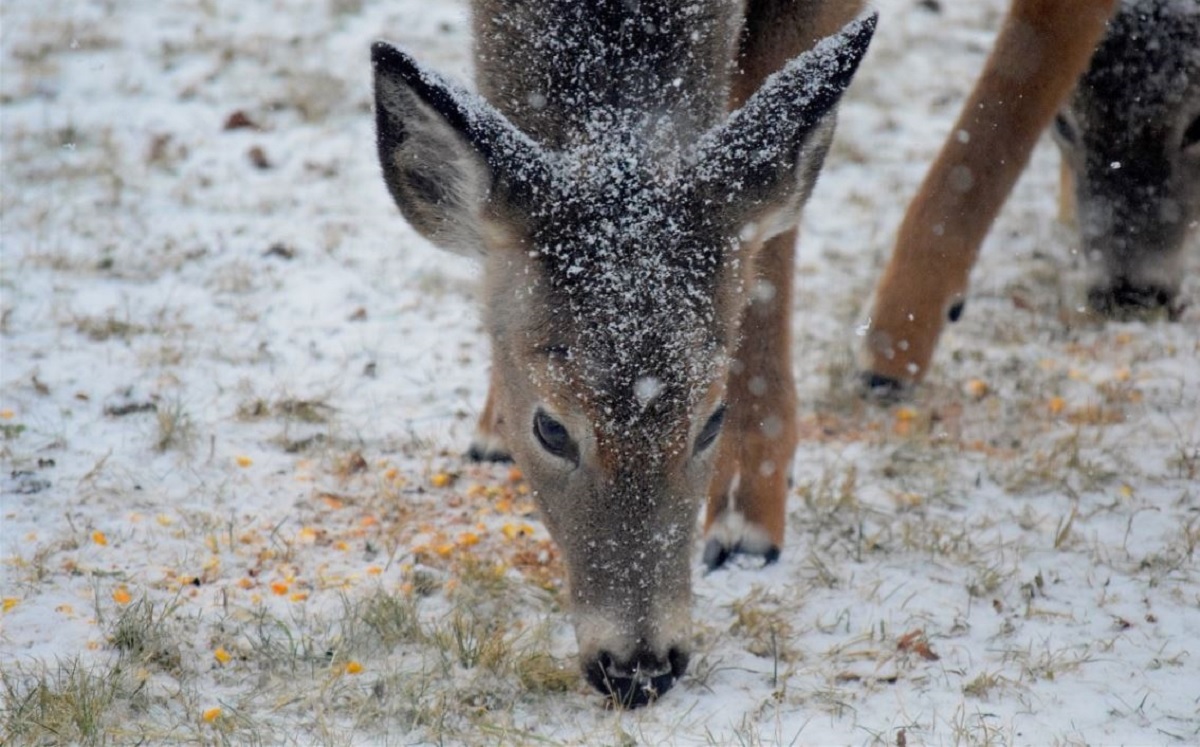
(235,386)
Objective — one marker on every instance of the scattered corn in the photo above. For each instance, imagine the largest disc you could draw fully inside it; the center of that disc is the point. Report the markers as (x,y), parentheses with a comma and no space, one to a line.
(1056,405)
(222,655)
(978,388)
(513,530)
(99,538)
(211,715)
(280,588)
(243,461)
(8,603)
(354,667)
(121,595)
(468,539)
(440,480)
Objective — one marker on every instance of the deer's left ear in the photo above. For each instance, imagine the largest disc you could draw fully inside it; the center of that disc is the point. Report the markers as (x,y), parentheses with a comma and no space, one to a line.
(456,167)
(760,165)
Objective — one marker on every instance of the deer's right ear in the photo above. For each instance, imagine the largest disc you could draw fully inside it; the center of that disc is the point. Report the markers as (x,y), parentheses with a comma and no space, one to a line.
(457,169)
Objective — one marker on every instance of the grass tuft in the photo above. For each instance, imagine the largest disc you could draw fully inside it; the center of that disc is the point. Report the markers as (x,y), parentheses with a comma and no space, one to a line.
(69,704)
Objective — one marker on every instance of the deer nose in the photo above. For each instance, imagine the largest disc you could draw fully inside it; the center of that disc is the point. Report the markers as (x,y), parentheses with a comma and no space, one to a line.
(638,680)
(1123,298)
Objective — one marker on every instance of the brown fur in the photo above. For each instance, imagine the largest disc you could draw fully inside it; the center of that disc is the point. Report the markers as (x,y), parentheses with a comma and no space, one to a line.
(761,394)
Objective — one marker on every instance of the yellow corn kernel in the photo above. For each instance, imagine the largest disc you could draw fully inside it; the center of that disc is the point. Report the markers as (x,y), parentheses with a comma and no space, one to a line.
(977,388)
(222,655)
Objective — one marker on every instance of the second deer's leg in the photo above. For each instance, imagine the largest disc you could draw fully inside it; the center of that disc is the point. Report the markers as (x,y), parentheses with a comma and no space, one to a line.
(1042,48)
(749,490)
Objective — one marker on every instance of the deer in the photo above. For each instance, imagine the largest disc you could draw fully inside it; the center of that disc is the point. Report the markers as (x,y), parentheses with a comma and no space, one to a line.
(1120,80)
(630,174)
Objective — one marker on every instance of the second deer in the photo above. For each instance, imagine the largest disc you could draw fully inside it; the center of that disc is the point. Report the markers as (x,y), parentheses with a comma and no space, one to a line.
(1129,129)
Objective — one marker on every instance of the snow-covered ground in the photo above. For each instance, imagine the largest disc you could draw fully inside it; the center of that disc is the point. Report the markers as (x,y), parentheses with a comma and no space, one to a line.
(235,388)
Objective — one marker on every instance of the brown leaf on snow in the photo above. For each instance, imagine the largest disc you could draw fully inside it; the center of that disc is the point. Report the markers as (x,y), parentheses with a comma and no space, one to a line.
(258,157)
(239,120)
(916,642)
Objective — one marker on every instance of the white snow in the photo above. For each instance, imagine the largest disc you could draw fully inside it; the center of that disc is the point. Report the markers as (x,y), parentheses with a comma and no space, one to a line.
(322,368)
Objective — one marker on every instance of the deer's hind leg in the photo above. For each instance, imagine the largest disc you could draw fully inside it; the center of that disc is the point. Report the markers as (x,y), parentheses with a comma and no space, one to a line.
(749,490)
(748,494)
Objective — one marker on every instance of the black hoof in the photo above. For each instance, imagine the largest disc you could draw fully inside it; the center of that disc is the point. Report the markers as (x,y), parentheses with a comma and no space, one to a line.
(956,310)
(479,453)
(883,389)
(716,554)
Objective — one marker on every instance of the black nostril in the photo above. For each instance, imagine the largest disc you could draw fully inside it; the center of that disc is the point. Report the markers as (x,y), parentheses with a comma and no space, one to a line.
(639,681)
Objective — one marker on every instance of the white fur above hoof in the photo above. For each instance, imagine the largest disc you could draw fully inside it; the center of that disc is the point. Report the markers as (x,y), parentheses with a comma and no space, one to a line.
(731,534)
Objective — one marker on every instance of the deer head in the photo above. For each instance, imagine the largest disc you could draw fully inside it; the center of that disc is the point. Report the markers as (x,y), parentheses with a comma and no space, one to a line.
(1130,135)
(615,272)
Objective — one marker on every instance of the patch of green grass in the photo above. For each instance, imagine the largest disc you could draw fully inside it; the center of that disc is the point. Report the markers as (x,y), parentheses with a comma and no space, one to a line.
(103,328)
(175,430)
(68,704)
(145,634)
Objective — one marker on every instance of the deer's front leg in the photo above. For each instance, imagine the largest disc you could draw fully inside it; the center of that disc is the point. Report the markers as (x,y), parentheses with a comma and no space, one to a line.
(748,493)
(488,444)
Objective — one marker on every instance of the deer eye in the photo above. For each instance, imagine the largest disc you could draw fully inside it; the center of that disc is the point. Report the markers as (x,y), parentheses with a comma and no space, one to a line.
(553,437)
(710,431)
(1191,136)
(1064,129)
